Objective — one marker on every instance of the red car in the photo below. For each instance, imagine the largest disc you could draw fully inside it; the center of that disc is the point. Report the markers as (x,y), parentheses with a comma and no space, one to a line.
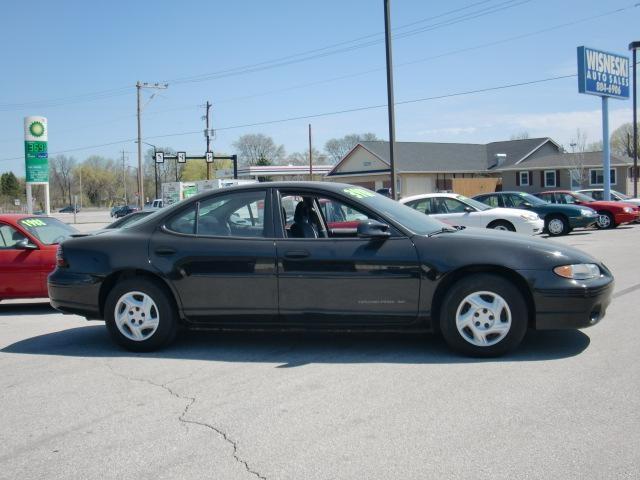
(28,246)
(610,214)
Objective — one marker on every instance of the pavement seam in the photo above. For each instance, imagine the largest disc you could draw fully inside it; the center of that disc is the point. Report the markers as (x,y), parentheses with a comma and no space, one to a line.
(182,418)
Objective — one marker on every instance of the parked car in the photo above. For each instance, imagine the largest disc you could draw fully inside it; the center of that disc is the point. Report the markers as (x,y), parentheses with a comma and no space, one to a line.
(193,264)
(387,192)
(155,205)
(114,209)
(598,194)
(28,246)
(124,211)
(610,214)
(460,210)
(69,209)
(558,219)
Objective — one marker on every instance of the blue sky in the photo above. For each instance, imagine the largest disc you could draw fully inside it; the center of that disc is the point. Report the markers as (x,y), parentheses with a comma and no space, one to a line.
(54,53)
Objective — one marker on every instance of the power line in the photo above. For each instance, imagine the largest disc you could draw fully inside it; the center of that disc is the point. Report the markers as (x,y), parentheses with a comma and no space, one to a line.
(317,115)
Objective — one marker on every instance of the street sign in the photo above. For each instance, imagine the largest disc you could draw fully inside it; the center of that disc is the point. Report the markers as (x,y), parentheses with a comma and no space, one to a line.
(159,157)
(209,157)
(602,73)
(35,149)
(182,157)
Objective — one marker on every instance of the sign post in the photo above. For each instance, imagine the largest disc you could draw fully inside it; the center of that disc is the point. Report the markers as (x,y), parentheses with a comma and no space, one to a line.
(606,75)
(36,158)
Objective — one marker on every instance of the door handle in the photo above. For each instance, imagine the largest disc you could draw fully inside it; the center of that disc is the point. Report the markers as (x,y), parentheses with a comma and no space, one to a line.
(296,254)
(164,251)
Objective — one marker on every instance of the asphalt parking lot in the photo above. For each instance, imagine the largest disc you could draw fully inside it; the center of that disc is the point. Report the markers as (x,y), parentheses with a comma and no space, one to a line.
(282,406)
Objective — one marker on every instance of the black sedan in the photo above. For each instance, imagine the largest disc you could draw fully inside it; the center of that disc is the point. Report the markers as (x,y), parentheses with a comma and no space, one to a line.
(232,259)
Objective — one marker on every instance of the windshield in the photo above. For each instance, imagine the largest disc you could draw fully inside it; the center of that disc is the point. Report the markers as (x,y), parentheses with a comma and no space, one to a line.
(622,196)
(527,197)
(130,220)
(582,197)
(411,219)
(47,230)
(474,203)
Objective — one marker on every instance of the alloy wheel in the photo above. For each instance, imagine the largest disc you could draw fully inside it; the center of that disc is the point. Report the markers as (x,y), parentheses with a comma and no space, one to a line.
(556,226)
(483,318)
(136,316)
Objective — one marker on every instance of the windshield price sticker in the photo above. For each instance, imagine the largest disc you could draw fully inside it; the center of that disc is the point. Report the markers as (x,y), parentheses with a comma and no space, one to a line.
(359,192)
(33,222)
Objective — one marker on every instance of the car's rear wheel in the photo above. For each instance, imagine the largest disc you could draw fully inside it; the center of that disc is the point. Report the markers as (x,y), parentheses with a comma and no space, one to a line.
(605,220)
(139,315)
(483,315)
(557,225)
(502,225)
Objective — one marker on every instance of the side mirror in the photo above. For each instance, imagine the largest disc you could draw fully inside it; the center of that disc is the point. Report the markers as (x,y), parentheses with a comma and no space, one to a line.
(373,229)
(24,244)
(469,209)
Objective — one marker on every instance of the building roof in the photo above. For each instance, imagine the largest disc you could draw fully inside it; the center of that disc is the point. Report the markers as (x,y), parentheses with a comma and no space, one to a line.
(567,160)
(448,157)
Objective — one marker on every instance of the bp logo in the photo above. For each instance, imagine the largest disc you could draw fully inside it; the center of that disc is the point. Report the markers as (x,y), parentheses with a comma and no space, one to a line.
(36,129)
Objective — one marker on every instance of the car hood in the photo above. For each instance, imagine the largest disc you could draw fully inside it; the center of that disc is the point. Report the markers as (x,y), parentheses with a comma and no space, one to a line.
(481,246)
(605,204)
(572,210)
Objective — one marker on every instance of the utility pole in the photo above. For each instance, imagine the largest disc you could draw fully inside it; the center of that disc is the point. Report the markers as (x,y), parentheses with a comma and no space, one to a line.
(390,102)
(140,86)
(206,134)
(124,178)
(310,156)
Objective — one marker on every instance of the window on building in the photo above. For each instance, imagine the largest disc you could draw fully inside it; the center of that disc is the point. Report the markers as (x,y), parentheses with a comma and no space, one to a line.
(550,178)
(524,179)
(596,176)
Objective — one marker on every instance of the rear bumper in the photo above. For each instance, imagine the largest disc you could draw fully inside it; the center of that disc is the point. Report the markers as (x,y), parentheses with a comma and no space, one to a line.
(571,303)
(75,293)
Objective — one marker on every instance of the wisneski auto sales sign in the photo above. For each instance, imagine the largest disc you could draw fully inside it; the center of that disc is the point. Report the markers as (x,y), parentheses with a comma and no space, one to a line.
(602,73)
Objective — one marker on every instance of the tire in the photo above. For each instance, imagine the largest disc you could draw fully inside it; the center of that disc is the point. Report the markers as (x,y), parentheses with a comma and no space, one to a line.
(502,225)
(557,225)
(139,315)
(605,221)
(471,329)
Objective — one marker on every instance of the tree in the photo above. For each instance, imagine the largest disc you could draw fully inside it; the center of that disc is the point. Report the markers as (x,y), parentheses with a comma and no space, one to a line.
(622,141)
(523,135)
(577,172)
(101,179)
(9,185)
(61,168)
(256,147)
(302,158)
(337,148)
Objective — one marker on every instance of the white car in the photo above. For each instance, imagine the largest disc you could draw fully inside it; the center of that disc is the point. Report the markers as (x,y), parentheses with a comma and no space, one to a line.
(460,210)
(598,194)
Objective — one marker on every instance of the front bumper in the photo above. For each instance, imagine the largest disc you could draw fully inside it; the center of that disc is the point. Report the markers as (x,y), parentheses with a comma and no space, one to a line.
(561,303)
(531,227)
(583,221)
(75,293)
(625,218)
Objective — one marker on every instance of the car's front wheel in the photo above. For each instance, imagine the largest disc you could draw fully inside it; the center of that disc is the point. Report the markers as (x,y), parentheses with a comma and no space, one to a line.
(557,225)
(483,315)
(605,220)
(139,315)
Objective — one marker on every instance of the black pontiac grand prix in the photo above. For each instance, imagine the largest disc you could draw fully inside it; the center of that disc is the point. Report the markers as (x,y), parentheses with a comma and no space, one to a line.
(323,256)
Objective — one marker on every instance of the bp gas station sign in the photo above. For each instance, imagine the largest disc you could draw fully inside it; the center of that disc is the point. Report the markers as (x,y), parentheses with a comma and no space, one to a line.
(35,150)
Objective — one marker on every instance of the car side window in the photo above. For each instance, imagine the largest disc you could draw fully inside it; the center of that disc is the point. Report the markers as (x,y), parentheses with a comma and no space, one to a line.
(9,237)
(547,197)
(452,205)
(596,195)
(565,198)
(516,201)
(237,214)
(491,200)
(423,205)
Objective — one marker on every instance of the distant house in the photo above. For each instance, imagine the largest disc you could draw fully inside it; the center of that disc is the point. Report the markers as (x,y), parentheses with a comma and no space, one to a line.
(531,165)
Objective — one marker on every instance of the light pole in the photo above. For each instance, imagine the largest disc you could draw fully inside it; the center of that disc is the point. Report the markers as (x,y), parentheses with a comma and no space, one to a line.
(155,165)
(140,86)
(633,46)
(390,102)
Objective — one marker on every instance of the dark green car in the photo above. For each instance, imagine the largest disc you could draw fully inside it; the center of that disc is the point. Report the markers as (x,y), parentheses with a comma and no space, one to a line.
(558,219)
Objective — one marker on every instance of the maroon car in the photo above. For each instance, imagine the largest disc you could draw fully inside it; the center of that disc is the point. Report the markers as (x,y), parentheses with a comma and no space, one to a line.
(610,214)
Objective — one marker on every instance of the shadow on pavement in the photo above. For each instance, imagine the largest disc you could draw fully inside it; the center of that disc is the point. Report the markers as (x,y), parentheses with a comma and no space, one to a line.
(296,349)
(42,307)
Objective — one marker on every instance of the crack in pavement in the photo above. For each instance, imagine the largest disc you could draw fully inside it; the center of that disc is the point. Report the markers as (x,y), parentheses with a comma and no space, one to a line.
(182,418)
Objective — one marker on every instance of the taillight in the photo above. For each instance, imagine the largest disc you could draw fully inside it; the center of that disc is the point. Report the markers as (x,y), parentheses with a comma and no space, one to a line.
(60,260)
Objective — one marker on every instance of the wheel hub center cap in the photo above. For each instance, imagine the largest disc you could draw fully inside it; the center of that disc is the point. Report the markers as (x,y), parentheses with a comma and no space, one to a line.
(484,318)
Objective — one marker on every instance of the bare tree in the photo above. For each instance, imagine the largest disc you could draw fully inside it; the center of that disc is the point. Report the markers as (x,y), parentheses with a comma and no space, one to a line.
(337,148)
(622,140)
(258,149)
(577,172)
(61,168)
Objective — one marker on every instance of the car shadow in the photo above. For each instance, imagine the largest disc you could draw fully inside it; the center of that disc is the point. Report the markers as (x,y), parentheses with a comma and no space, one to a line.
(288,350)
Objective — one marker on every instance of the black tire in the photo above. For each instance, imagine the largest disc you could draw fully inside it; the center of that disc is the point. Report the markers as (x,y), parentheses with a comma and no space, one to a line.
(559,225)
(456,298)
(502,225)
(605,221)
(166,314)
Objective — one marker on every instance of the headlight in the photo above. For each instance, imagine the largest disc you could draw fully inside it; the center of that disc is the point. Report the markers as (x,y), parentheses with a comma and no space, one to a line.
(578,271)
(530,216)
(587,212)
(628,209)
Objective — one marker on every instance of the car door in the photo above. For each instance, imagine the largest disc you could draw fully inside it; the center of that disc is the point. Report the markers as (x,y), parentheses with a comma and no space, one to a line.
(338,279)
(219,254)
(454,212)
(21,273)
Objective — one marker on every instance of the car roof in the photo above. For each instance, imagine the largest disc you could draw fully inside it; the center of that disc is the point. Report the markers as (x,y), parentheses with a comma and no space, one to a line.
(430,195)
(14,217)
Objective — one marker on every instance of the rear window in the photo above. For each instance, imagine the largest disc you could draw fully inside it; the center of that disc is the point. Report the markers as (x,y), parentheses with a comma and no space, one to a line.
(46,229)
